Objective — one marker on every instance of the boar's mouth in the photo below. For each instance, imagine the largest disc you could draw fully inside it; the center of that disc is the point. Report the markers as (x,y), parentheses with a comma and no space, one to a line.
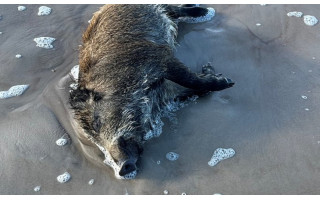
(127,167)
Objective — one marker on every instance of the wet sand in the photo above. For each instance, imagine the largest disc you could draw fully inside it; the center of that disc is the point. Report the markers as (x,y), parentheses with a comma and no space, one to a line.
(273,129)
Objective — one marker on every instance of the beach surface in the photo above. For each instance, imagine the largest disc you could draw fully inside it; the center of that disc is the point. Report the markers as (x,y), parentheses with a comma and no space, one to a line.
(270,118)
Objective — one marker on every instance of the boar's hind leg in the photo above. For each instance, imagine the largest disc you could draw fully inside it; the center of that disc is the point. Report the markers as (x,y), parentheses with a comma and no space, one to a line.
(196,83)
(187,11)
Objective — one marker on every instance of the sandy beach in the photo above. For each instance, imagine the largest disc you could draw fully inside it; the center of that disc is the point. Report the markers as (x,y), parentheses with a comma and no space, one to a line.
(270,117)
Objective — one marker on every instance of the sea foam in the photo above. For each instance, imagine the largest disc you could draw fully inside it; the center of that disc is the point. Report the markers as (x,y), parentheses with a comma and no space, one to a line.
(221,154)
(44,42)
(16,90)
(44,10)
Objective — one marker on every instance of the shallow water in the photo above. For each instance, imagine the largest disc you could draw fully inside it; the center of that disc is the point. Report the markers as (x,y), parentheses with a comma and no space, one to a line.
(263,117)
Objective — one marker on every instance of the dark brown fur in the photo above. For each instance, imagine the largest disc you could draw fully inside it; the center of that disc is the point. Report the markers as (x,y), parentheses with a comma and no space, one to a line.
(127,70)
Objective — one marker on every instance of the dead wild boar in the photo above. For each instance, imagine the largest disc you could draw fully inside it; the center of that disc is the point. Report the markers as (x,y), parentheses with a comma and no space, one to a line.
(128,75)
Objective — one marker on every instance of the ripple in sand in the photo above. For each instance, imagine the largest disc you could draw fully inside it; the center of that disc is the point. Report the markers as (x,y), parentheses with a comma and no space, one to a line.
(172,156)
(13,91)
(21,8)
(63,178)
(44,42)
(221,154)
(310,20)
(44,10)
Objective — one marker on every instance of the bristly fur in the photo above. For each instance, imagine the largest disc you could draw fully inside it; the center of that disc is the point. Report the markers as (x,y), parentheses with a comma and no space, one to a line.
(127,74)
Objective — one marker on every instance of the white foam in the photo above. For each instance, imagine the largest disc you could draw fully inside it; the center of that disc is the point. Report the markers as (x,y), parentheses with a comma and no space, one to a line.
(13,91)
(44,42)
(304,97)
(21,8)
(0,33)
(165,192)
(172,156)
(44,10)
(258,24)
(18,56)
(74,86)
(310,20)
(63,178)
(37,188)
(158,162)
(61,142)
(207,17)
(221,154)
(183,193)
(75,72)
(294,14)
(263,4)
(91,182)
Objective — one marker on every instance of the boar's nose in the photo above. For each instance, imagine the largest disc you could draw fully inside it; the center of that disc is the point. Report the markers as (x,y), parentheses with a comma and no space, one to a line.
(127,167)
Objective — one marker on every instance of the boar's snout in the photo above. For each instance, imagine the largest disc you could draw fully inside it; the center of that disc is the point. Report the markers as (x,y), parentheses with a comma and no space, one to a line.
(125,153)
(127,167)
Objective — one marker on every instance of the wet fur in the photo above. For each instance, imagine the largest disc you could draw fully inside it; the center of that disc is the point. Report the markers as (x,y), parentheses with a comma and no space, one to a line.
(127,75)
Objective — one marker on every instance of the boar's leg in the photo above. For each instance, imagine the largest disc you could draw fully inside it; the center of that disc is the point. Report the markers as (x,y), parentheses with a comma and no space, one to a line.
(198,83)
(186,11)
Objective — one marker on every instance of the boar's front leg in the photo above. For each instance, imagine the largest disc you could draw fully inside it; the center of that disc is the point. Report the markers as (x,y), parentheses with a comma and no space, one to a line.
(204,82)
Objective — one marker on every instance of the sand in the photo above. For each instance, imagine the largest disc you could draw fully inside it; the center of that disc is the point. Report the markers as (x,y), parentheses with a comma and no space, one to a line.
(263,117)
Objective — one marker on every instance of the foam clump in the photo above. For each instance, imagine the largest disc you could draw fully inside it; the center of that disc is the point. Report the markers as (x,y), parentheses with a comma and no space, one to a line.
(63,178)
(310,20)
(221,154)
(44,10)
(75,72)
(16,90)
(172,156)
(61,142)
(165,192)
(74,86)
(207,17)
(18,56)
(37,188)
(44,42)
(21,8)
(294,14)
(304,97)
(91,182)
